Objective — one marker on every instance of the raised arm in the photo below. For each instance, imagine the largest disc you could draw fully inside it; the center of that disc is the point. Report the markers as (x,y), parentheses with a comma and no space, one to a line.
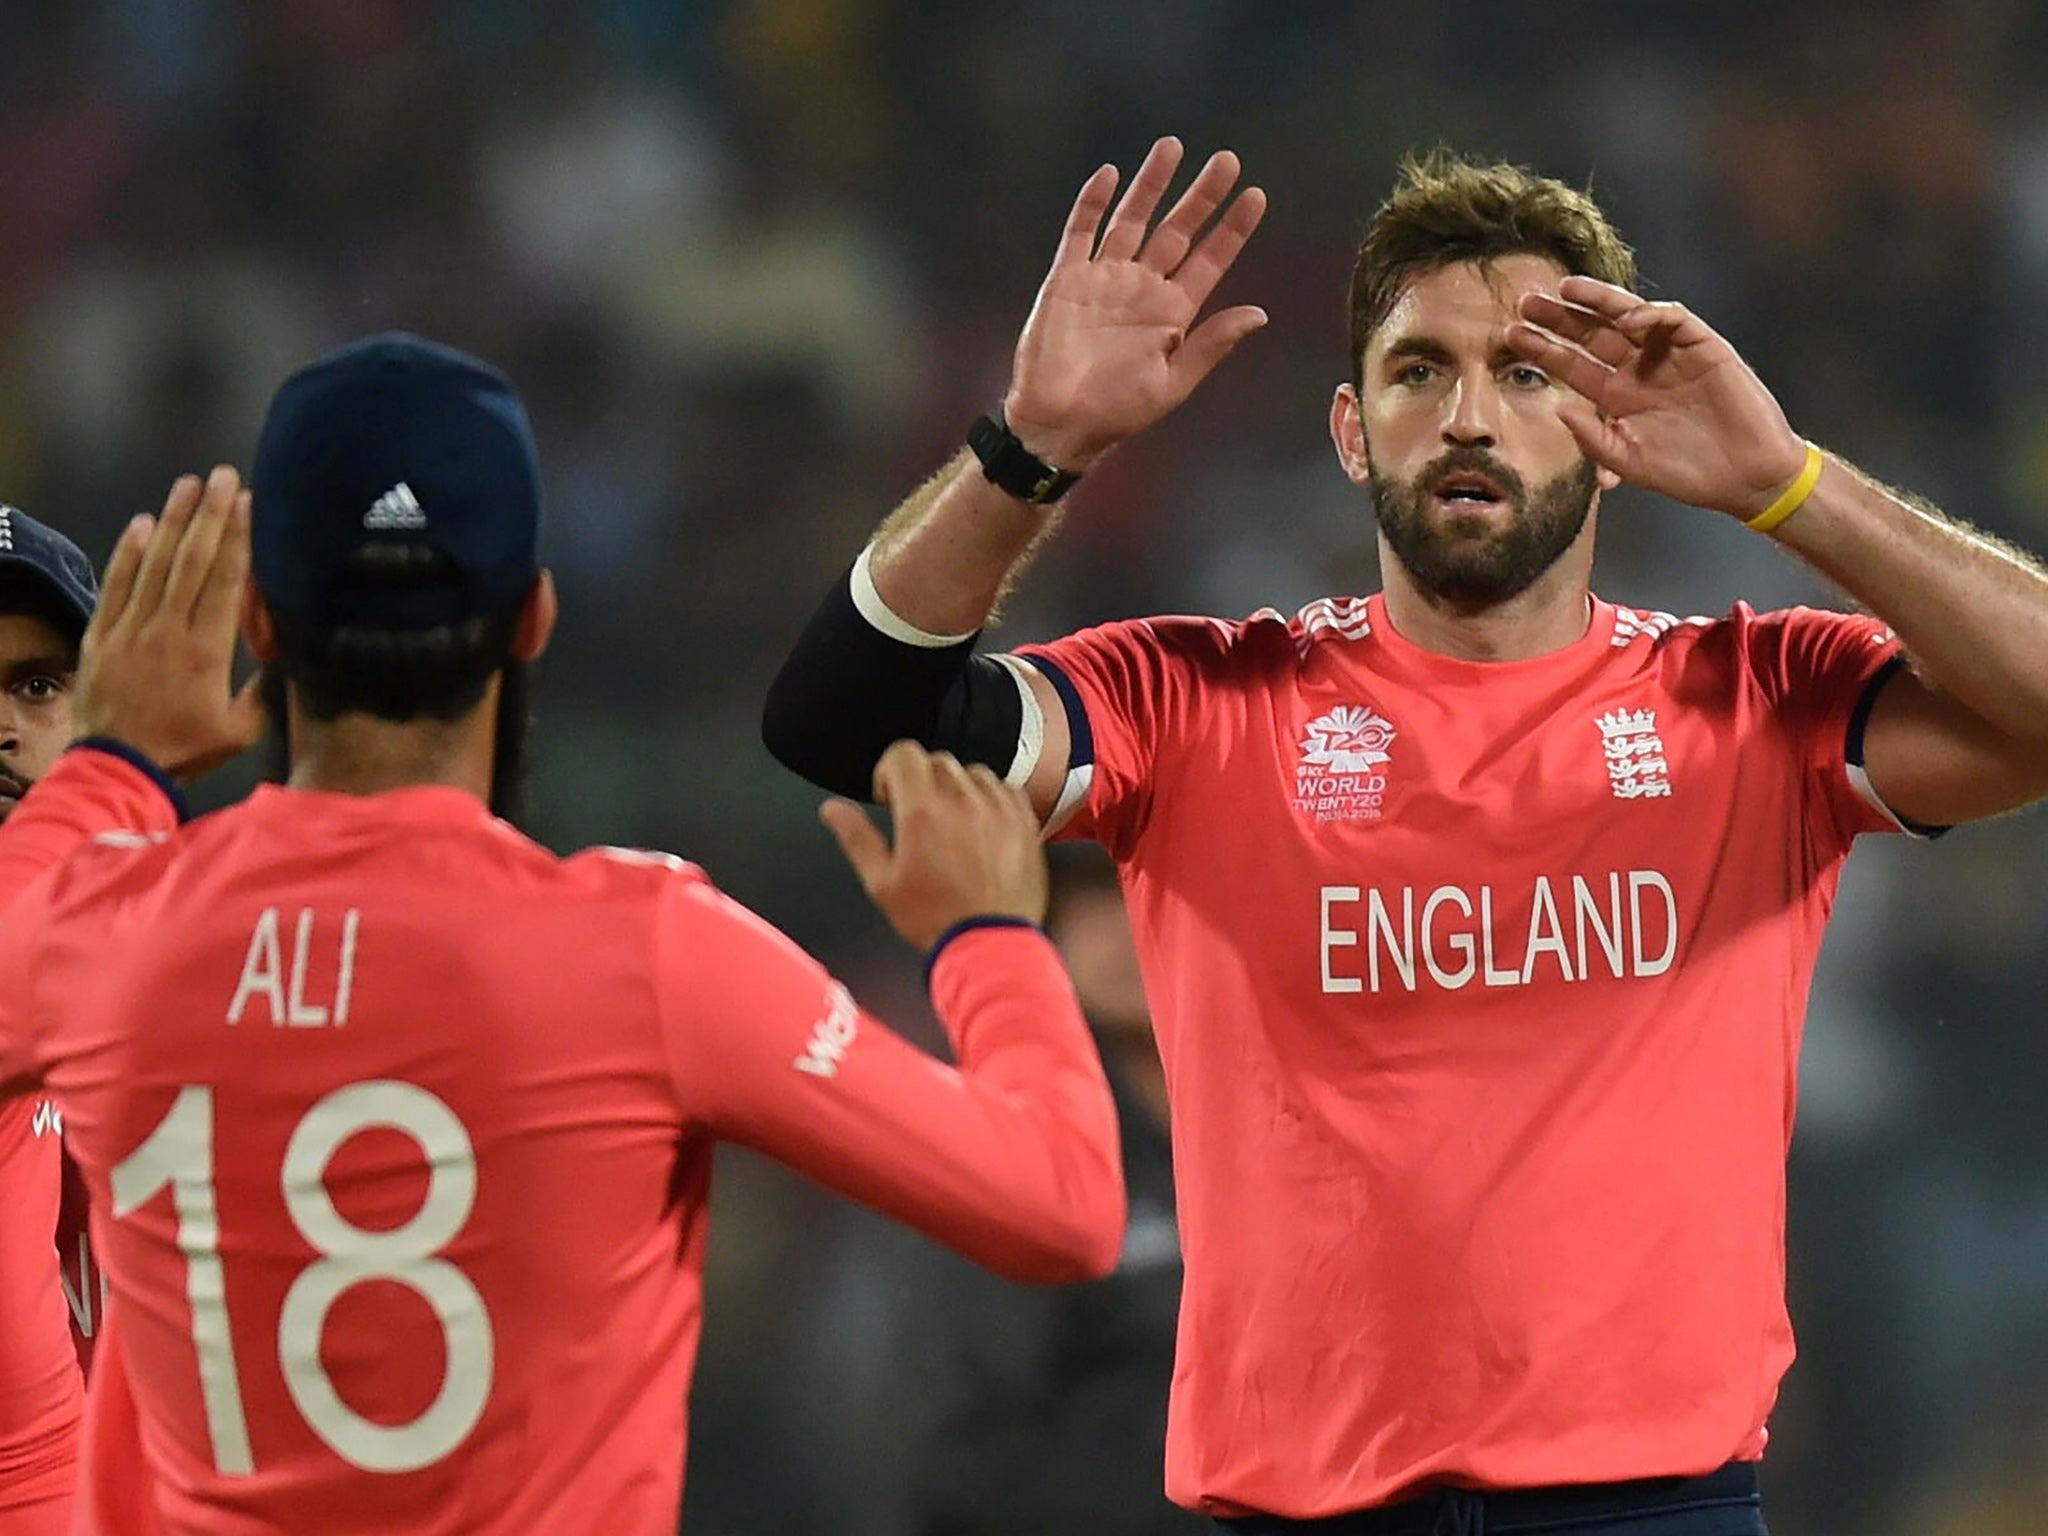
(1669,405)
(1115,340)
(1013,1158)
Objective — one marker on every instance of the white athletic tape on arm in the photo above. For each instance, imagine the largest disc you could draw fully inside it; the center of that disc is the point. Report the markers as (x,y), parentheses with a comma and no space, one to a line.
(882,617)
(1073,795)
(1080,777)
(1031,729)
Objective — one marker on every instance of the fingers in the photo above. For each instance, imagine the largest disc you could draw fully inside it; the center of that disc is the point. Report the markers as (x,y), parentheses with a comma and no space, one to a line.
(218,606)
(1219,249)
(903,776)
(1598,438)
(157,668)
(1212,341)
(950,802)
(859,840)
(155,573)
(914,783)
(1018,800)
(1646,322)
(987,792)
(1010,812)
(1176,233)
(117,586)
(999,797)
(1587,328)
(1609,299)
(948,774)
(1126,231)
(1077,240)
(183,497)
(1570,365)
(966,843)
(988,786)
(193,560)
(1012,834)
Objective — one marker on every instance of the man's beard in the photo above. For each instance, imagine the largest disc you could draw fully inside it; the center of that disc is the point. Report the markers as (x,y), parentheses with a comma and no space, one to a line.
(1466,562)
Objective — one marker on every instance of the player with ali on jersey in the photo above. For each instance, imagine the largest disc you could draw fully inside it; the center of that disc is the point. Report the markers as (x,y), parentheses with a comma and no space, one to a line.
(1478,915)
(398,1127)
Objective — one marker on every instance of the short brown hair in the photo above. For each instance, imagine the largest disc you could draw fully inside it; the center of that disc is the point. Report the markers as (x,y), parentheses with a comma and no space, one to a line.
(1446,208)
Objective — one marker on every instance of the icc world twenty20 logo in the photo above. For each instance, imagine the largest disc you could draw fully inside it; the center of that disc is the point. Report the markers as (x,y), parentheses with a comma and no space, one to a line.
(1349,739)
(1341,754)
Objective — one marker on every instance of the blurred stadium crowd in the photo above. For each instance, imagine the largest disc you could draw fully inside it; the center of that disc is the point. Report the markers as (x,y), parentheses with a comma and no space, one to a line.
(756,263)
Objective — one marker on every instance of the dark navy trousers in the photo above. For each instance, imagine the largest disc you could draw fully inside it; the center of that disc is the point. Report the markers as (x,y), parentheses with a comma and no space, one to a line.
(1722,1503)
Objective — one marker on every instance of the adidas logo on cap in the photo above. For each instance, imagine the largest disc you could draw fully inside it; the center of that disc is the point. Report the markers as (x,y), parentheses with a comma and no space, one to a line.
(396,508)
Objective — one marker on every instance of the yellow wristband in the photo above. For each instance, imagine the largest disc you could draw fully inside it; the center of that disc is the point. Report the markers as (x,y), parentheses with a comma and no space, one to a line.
(1794,496)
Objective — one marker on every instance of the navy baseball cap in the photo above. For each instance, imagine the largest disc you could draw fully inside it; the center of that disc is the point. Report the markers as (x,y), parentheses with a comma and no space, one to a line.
(55,565)
(395,439)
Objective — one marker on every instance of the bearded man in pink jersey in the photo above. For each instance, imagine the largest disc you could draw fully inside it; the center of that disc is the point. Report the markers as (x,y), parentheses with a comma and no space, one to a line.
(1478,914)
(397,1126)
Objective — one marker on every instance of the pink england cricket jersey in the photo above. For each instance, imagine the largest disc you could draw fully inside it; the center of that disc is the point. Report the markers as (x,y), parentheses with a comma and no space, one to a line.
(1480,990)
(398,1134)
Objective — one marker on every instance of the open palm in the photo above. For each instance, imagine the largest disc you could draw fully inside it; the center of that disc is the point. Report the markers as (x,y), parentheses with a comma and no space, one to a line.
(1663,399)
(1112,343)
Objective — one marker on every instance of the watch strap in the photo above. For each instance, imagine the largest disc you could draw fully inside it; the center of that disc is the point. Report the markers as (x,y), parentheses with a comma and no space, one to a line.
(1009,466)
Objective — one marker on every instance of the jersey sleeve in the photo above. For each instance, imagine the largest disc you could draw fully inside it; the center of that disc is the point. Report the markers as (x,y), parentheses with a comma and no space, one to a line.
(1128,689)
(1011,1160)
(90,793)
(92,790)
(1820,672)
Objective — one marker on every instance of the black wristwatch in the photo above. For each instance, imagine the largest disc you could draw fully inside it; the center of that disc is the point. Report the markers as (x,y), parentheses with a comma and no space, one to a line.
(1010,466)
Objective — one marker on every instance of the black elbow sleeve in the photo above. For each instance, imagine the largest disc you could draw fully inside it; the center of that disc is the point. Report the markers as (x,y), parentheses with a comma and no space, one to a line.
(847,691)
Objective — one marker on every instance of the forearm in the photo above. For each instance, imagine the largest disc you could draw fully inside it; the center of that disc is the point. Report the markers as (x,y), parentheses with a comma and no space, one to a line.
(945,559)
(1972,611)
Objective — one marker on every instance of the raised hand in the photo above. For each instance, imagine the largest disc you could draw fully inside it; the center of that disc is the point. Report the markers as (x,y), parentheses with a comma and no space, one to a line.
(966,845)
(1663,399)
(155,666)
(1112,342)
